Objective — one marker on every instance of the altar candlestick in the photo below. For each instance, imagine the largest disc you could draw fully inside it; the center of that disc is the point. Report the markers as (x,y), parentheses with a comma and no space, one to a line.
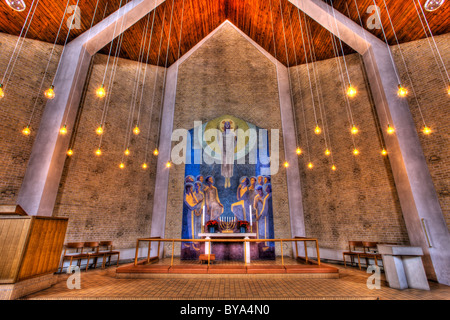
(251,227)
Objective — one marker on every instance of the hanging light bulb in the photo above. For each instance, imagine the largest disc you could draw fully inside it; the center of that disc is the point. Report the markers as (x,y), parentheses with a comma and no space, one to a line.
(390,129)
(351,91)
(448,91)
(26,131)
(333,167)
(17,5)
(2,93)
(327,152)
(402,92)
(70,152)
(426,130)
(122,165)
(99,130)
(127,152)
(168,164)
(100,92)
(98,152)
(156,152)
(136,130)
(432,5)
(355,152)
(144,166)
(354,130)
(317,130)
(384,152)
(310,165)
(50,92)
(63,130)
(286,164)
(298,151)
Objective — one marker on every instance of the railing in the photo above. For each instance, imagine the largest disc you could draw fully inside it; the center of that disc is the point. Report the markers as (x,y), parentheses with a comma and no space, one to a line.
(159,240)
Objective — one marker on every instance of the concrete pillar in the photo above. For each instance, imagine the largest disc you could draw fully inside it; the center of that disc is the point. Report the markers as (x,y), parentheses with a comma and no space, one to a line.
(418,198)
(39,189)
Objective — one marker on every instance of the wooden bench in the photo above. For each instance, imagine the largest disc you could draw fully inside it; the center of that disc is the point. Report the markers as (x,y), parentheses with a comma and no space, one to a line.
(204,258)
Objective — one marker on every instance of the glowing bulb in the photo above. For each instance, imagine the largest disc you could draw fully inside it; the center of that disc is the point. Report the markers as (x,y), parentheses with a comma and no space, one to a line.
(101,93)
(156,152)
(310,165)
(390,129)
(127,152)
(69,152)
(402,92)
(351,91)
(50,92)
(63,130)
(98,152)
(122,165)
(384,152)
(327,152)
(355,152)
(2,94)
(317,130)
(299,151)
(26,131)
(354,130)
(144,166)
(168,165)
(333,167)
(136,130)
(99,130)
(448,92)
(426,130)
(286,164)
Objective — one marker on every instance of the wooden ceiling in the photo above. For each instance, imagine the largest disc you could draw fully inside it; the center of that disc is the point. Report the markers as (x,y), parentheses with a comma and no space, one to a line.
(200,17)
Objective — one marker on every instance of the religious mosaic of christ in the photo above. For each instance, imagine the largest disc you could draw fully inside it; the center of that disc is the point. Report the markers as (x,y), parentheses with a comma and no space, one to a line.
(227,176)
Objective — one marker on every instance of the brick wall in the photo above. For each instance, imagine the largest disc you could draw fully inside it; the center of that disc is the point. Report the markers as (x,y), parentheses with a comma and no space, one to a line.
(102,201)
(17,106)
(358,201)
(227,75)
(434,104)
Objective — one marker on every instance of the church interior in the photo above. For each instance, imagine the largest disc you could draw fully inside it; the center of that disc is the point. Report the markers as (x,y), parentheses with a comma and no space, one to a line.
(226,149)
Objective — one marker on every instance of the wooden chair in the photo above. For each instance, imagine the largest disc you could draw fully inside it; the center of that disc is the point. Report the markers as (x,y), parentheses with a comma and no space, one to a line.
(108,252)
(370,252)
(353,252)
(92,252)
(73,255)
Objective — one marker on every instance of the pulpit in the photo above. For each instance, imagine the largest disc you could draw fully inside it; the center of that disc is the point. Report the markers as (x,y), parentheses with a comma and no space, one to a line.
(30,250)
(245,245)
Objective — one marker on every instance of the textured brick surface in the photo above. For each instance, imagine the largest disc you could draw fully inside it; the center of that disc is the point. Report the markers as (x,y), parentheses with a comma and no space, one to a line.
(359,200)
(434,105)
(227,75)
(17,106)
(102,201)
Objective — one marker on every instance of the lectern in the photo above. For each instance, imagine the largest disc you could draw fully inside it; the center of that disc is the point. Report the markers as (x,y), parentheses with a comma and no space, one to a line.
(30,250)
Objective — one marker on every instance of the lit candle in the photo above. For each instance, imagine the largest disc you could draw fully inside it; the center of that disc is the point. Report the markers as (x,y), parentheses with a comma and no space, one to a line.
(250,217)
(204,215)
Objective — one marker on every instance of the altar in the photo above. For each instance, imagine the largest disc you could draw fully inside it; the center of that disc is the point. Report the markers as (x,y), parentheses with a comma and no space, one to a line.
(245,246)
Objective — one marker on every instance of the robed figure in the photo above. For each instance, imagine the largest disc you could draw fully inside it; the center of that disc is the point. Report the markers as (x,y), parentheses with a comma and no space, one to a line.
(213,206)
(266,213)
(241,208)
(190,206)
(227,149)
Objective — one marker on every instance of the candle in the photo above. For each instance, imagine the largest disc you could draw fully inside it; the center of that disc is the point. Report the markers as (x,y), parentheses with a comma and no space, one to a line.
(204,215)
(251,227)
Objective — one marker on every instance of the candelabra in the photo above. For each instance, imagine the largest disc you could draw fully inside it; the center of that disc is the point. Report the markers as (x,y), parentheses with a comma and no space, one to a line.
(227,224)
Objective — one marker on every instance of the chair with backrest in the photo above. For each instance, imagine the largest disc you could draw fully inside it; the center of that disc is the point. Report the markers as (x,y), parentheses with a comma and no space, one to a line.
(370,252)
(108,252)
(355,248)
(91,250)
(77,255)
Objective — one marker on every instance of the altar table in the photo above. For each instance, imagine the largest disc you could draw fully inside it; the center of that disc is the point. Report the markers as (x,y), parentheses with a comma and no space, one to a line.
(229,236)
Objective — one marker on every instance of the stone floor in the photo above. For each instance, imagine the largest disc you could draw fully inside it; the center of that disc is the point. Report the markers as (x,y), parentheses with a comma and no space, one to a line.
(102,284)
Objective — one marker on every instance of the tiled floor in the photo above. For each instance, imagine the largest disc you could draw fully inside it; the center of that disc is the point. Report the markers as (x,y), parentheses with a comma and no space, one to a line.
(102,284)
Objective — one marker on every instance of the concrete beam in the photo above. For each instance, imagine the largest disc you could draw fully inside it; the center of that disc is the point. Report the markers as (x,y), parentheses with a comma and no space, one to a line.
(415,189)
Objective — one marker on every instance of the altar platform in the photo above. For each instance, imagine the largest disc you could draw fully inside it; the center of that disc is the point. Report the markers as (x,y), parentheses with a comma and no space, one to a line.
(177,267)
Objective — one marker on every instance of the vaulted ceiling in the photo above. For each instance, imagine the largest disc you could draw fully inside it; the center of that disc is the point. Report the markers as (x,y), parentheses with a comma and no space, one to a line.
(253,17)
